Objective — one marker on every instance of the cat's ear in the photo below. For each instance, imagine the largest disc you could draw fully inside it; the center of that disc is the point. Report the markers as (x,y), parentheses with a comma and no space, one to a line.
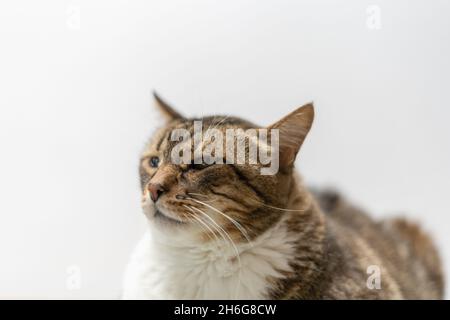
(168,112)
(293,129)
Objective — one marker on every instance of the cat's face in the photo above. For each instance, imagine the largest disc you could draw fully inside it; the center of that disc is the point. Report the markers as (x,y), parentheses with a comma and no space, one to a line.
(217,201)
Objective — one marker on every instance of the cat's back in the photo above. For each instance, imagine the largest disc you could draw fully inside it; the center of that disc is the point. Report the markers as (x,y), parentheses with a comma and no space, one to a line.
(406,256)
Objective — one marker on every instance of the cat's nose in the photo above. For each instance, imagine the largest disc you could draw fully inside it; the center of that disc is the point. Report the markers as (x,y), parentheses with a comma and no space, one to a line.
(155,190)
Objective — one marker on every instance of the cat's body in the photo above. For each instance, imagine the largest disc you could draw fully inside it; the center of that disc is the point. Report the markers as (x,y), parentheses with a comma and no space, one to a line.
(351,244)
(298,246)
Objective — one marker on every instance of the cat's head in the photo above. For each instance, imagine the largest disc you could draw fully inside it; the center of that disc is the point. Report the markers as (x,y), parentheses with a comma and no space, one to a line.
(218,200)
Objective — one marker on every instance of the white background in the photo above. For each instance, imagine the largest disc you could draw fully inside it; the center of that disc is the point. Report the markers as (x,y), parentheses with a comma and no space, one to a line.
(76,77)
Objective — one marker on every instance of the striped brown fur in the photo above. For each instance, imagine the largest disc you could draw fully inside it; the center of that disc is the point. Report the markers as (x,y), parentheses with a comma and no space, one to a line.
(336,242)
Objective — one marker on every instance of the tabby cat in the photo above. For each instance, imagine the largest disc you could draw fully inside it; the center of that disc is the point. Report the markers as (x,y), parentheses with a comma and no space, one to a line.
(224,231)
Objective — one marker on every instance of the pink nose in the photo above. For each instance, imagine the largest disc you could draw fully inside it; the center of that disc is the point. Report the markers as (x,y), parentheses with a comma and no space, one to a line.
(155,190)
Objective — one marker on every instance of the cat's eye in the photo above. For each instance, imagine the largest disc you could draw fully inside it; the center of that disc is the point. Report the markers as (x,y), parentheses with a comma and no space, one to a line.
(154,162)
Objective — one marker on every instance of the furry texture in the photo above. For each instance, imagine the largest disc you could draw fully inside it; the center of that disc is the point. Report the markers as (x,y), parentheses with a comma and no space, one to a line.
(226,231)
(185,269)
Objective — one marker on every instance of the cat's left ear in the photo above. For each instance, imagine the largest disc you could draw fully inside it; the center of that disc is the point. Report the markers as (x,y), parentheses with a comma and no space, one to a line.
(166,110)
(293,129)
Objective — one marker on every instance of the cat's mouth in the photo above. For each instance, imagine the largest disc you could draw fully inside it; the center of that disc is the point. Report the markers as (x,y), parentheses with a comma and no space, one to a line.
(165,218)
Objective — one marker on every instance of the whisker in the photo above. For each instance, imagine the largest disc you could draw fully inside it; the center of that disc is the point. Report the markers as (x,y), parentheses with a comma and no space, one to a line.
(195,220)
(215,226)
(200,195)
(278,208)
(218,123)
(202,223)
(215,223)
(235,223)
(232,243)
(197,194)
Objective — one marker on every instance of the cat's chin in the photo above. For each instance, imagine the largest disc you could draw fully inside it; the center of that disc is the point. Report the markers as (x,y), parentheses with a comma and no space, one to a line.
(160,216)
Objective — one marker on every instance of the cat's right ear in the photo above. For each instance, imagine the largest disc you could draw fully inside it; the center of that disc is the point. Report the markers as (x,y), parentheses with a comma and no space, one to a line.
(168,112)
(293,129)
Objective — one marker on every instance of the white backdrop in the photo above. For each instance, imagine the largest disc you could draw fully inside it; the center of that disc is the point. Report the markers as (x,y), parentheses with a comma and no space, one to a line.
(75,110)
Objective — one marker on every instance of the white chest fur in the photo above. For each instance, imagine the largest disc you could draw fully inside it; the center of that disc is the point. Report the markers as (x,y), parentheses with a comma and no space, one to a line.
(188,270)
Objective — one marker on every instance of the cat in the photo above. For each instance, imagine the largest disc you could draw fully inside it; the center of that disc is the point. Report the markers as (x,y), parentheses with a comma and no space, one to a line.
(225,231)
